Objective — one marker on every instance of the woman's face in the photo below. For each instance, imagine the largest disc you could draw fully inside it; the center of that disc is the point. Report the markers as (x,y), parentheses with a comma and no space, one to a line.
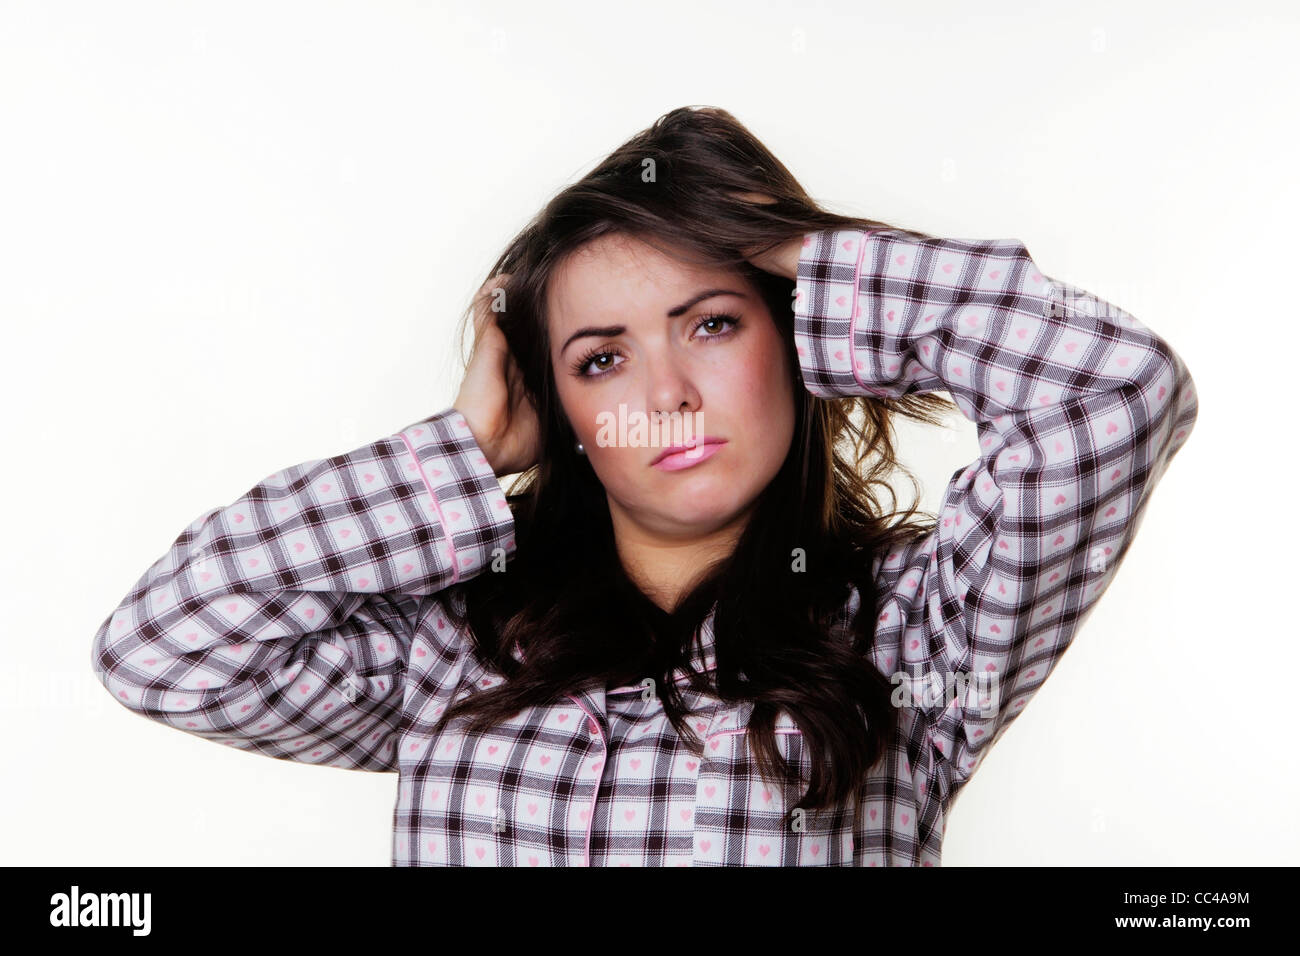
(638,323)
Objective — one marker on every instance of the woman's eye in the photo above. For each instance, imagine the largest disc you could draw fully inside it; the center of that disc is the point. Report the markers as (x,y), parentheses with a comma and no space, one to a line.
(717,326)
(593,361)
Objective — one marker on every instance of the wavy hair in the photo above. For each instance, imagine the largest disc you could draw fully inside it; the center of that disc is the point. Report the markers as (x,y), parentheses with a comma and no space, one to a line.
(782,638)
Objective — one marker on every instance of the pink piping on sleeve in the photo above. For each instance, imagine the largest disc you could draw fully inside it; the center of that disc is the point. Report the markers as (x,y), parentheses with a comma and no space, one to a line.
(442,521)
(857,308)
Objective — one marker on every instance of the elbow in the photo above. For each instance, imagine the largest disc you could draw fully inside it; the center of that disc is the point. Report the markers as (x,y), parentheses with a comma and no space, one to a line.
(1170,392)
(1175,375)
(101,654)
(102,663)
(108,660)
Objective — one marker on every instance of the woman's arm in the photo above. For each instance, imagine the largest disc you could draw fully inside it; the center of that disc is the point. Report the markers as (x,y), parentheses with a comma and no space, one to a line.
(281,624)
(1079,409)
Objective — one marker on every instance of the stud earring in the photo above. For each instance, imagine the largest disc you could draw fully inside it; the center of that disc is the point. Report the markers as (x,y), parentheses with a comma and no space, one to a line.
(579,449)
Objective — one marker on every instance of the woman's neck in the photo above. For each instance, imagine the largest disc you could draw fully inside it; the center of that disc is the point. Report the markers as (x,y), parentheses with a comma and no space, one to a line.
(665,567)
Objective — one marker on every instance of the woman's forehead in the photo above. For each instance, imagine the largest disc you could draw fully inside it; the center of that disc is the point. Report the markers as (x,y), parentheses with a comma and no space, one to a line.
(627,267)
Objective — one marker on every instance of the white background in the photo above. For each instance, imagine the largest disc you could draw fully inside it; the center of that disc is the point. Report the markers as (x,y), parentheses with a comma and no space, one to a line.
(236,236)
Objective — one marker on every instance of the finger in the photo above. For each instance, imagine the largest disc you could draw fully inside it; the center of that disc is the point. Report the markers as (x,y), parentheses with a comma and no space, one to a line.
(760,198)
(483,296)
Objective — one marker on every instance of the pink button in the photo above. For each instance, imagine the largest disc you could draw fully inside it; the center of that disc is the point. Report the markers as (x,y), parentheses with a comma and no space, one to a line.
(591,725)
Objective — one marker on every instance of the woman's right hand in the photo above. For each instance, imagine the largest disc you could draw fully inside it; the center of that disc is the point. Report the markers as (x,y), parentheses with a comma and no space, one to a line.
(504,425)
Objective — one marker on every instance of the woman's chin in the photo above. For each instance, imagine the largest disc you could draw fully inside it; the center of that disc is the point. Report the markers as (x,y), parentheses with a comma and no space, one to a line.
(699,513)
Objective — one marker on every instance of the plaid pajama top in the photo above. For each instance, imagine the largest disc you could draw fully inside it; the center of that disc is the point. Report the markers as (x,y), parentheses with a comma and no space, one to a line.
(306,620)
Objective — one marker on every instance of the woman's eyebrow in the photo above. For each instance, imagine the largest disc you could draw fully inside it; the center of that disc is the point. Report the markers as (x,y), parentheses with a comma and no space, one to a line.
(609,331)
(696,299)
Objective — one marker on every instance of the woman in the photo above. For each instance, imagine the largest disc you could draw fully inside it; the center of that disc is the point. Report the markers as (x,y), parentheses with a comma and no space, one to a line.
(729,653)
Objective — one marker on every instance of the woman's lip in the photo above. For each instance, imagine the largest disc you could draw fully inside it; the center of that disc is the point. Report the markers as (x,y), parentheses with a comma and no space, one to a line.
(677,459)
(676,449)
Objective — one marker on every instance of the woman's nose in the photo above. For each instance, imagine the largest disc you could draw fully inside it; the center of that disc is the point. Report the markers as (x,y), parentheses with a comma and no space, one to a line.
(670,388)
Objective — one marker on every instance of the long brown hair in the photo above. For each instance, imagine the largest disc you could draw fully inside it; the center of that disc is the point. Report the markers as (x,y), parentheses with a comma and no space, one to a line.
(567,600)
